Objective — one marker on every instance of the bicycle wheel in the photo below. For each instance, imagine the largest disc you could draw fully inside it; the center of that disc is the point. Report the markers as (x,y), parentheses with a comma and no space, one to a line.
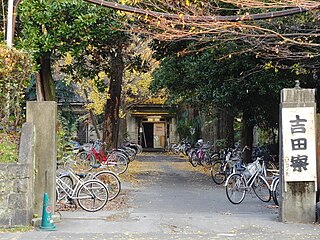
(217,173)
(85,161)
(236,188)
(194,159)
(82,156)
(117,162)
(111,181)
(276,191)
(92,195)
(66,183)
(205,160)
(261,189)
(270,168)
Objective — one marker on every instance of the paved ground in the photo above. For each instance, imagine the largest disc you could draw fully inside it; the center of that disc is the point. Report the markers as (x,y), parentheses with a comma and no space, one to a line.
(173,200)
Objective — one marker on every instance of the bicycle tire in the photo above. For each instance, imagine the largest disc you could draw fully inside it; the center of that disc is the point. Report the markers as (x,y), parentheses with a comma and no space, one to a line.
(123,152)
(217,173)
(117,163)
(204,160)
(194,159)
(81,156)
(276,192)
(236,188)
(190,155)
(270,166)
(262,189)
(61,193)
(111,181)
(92,195)
(131,153)
(84,164)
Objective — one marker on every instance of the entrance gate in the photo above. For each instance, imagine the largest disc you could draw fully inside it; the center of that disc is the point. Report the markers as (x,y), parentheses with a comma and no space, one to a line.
(153,134)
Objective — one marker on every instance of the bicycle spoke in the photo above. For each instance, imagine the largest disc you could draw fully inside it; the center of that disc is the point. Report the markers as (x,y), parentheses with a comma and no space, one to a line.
(111,181)
(261,189)
(235,188)
(92,196)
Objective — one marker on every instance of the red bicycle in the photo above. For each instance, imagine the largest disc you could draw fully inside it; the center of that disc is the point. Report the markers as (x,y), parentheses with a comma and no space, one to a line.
(115,161)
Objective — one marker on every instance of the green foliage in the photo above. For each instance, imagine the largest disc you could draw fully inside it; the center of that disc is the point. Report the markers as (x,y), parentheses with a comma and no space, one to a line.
(188,127)
(53,26)
(221,143)
(15,70)
(67,128)
(83,31)
(9,147)
(237,83)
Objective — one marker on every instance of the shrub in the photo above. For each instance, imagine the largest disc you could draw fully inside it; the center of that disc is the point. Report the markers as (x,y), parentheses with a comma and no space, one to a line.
(15,71)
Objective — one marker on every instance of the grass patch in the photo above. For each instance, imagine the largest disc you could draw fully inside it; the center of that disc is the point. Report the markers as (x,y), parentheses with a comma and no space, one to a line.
(9,148)
(17,229)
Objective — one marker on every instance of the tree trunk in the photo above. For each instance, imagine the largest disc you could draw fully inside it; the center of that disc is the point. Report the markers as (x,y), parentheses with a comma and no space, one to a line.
(223,129)
(92,116)
(247,135)
(44,81)
(111,110)
(228,128)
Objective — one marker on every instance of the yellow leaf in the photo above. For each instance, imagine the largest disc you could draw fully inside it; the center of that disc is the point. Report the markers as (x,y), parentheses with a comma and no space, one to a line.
(101,75)
(68,58)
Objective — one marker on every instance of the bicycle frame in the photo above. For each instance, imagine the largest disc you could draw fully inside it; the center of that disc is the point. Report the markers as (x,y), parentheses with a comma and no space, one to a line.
(260,172)
(70,192)
(100,156)
(249,181)
(229,163)
(91,195)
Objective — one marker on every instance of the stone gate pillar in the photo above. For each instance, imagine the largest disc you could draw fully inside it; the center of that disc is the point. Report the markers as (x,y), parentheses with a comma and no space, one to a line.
(298,155)
(44,117)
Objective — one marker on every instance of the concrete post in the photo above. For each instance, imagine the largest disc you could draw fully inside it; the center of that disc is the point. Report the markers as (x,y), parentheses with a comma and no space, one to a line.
(44,117)
(298,155)
(318,159)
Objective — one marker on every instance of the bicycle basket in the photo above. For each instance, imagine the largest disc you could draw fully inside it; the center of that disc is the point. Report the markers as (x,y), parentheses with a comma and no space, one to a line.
(253,167)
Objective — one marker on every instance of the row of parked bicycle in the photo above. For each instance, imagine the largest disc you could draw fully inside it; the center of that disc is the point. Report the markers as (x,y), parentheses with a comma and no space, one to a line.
(90,178)
(226,166)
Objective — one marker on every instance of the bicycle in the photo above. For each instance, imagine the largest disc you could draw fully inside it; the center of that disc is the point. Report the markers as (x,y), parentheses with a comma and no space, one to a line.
(275,190)
(229,163)
(238,184)
(221,169)
(109,178)
(130,149)
(202,154)
(91,195)
(115,161)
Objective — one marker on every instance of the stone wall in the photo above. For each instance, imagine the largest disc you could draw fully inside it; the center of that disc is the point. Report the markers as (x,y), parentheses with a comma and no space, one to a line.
(16,184)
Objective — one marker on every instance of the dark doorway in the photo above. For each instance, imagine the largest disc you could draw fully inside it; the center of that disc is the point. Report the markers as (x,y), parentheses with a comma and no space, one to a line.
(147,135)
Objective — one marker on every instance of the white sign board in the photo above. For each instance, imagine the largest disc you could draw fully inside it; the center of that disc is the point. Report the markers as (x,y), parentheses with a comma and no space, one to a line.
(299,144)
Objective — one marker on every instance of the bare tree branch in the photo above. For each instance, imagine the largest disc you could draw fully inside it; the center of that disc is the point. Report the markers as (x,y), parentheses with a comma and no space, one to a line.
(306,6)
(204,23)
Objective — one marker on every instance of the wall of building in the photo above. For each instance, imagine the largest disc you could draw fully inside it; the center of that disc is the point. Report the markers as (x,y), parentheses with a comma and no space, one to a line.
(131,128)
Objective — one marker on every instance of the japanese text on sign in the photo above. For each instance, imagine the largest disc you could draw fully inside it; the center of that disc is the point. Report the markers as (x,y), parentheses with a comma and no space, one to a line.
(299,152)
